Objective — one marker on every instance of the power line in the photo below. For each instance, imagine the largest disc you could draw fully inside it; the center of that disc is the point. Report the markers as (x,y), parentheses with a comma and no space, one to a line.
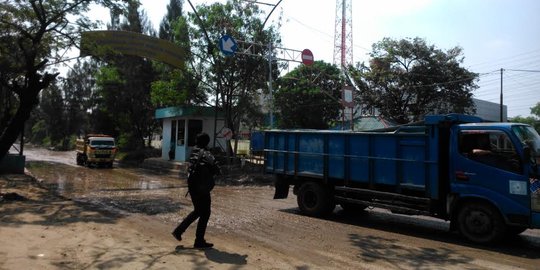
(504,60)
(524,70)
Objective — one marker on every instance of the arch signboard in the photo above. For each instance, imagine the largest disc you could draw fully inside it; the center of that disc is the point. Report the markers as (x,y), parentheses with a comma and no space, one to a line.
(131,43)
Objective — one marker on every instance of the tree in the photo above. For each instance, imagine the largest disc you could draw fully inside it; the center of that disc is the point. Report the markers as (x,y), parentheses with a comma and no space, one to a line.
(53,115)
(79,88)
(309,96)
(236,81)
(407,79)
(175,85)
(33,35)
(124,85)
(174,13)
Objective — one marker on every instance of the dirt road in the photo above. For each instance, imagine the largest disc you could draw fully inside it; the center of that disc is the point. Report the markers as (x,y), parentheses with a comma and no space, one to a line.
(122,218)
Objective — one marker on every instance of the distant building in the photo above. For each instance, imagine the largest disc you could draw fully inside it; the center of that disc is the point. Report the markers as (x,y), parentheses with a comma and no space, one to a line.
(490,111)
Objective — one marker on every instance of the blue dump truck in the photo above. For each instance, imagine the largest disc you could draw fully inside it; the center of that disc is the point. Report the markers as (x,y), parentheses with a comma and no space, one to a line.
(480,176)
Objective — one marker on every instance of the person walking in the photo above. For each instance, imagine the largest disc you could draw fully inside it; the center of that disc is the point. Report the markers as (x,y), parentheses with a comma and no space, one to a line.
(201,173)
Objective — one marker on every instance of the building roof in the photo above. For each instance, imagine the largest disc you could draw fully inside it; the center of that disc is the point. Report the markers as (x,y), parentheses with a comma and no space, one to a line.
(186,111)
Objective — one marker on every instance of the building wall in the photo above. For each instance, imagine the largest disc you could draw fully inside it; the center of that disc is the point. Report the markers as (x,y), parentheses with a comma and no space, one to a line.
(182,152)
(490,111)
(166,141)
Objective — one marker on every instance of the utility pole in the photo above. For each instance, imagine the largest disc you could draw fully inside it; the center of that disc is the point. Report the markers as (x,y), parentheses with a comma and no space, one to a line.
(501,105)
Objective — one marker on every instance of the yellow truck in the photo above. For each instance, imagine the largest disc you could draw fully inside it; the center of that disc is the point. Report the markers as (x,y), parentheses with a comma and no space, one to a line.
(98,149)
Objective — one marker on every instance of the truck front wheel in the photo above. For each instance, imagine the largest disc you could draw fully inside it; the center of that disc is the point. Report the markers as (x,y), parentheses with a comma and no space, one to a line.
(314,199)
(481,223)
(80,159)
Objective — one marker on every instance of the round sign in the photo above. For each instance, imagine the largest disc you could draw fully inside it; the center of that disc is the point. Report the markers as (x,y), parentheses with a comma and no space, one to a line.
(227,45)
(307,57)
(226,133)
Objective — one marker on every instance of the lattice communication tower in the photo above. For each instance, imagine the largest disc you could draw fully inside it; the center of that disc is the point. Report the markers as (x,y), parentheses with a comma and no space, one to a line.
(343,40)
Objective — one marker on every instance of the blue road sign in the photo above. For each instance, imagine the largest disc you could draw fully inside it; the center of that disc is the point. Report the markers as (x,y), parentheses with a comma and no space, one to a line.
(227,45)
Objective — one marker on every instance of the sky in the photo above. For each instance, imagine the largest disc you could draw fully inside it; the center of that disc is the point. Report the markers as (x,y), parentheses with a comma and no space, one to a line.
(494,34)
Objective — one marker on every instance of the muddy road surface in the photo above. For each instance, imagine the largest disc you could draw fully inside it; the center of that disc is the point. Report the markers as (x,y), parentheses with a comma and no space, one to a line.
(246,217)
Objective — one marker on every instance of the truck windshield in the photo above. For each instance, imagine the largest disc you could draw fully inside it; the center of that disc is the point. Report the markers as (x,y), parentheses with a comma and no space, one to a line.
(528,136)
(101,143)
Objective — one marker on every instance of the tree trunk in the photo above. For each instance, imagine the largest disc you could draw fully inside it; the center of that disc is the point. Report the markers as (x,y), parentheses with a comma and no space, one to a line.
(14,127)
(28,99)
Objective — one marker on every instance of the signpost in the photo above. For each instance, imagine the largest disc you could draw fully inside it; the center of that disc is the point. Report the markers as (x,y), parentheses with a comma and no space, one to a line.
(228,46)
(347,99)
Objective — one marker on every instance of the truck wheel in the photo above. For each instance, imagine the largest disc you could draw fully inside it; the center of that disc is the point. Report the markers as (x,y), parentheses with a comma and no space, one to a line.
(481,223)
(79,159)
(315,200)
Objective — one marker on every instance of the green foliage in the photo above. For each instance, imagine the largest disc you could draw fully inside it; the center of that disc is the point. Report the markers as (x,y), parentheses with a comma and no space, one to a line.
(309,97)
(175,86)
(47,142)
(33,34)
(174,12)
(165,93)
(127,141)
(109,75)
(235,81)
(535,110)
(39,132)
(122,101)
(139,155)
(52,111)
(407,79)
(78,90)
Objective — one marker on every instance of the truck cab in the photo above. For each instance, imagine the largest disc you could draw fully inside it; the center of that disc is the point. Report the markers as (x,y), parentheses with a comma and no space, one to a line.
(494,178)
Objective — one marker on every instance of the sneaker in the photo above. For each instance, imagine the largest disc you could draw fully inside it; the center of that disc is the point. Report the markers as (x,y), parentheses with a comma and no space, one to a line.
(202,244)
(177,236)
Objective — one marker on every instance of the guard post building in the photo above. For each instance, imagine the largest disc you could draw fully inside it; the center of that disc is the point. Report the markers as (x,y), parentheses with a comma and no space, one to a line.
(181,126)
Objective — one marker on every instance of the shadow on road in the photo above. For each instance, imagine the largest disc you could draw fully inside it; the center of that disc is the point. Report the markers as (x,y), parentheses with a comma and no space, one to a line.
(391,251)
(525,246)
(223,257)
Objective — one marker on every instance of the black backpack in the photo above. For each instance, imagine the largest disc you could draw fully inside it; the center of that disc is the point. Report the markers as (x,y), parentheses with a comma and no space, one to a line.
(201,174)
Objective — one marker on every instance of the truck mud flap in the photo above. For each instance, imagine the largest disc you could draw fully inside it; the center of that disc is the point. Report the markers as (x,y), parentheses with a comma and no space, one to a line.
(282,188)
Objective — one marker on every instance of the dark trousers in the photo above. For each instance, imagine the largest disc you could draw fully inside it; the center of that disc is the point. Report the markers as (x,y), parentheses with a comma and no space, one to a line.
(201,205)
